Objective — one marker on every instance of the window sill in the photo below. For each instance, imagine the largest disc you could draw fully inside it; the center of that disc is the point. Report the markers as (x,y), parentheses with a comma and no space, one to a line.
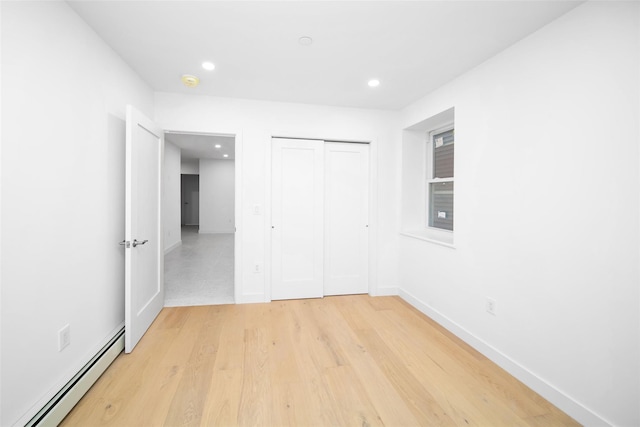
(442,238)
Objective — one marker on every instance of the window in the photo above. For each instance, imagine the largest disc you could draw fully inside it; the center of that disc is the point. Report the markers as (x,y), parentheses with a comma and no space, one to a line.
(440,155)
(427,179)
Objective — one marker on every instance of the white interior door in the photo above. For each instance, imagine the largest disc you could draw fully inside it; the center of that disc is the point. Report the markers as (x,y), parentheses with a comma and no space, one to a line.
(297,218)
(346,248)
(144,286)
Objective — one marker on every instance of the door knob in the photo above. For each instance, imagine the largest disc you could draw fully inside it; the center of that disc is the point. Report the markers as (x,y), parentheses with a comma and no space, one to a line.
(138,242)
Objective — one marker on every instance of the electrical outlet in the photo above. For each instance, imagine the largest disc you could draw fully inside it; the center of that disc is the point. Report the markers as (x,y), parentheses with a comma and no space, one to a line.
(491,306)
(64,337)
(257,269)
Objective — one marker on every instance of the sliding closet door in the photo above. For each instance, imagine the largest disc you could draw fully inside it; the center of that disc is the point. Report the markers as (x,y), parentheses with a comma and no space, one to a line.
(297,218)
(346,249)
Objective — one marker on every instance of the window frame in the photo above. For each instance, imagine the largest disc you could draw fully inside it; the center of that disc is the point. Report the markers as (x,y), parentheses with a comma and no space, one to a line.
(429,171)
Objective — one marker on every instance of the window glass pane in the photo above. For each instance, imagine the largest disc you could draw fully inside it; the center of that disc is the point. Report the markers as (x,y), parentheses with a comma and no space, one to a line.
(441,205)
(443,155)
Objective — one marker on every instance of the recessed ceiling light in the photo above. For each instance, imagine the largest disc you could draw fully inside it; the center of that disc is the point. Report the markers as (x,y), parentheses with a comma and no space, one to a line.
(218,145)
(209,66)
(225,155)
(305,41)
(189,80)
(374,83)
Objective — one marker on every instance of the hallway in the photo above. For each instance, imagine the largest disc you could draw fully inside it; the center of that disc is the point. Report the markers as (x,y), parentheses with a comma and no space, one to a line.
(200,271)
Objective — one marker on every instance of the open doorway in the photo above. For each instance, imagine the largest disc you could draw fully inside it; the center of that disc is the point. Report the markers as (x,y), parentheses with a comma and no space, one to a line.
(190,197)
(199,269)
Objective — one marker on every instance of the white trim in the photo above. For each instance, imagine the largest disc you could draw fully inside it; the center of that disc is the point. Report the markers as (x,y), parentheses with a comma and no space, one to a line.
(237,239)
(62,408)
(426,236)
(266,297)
(386,291)
(575,409)
(438,180)
(203,133)
(373,218)
(251,299)
(1,392)
(70,373)
(172,247)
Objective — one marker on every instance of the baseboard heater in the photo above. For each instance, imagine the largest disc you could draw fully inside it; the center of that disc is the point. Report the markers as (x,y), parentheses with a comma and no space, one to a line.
(63,402)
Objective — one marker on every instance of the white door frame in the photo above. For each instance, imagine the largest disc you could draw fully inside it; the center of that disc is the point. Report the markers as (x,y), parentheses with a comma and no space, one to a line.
(237,244)
(373,206)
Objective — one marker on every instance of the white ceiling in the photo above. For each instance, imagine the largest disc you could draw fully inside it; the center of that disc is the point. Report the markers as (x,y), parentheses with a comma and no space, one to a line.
(412,47)
(195,146)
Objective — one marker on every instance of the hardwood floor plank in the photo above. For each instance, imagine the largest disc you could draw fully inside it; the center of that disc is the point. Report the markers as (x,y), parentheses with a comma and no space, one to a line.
(223,398)
(172,318)
(423,405)
(348,360)
(318,335)
(482,377)
(391,407)
(554,418)
(255,405)
(442,382)
(230,350)
(350,398)
(446,390)
(314,394)
(175,359)
(283,362)
(186,407)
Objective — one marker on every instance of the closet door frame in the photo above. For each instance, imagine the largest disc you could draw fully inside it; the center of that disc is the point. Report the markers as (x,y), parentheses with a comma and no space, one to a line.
(373,205)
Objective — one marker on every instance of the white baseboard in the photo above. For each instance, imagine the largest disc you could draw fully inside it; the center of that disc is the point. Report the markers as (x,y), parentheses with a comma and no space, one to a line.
(385,292)
(251,299)
(172,247)
(567,404)
(215,232)
(55,410)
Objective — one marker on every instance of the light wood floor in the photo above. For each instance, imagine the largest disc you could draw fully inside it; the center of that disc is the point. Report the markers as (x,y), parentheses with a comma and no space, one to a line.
(338,361)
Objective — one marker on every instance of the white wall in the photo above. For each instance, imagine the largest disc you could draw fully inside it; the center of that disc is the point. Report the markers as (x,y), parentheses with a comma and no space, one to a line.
(547,207)
(255,122)
(171,205)
(63,95)
(217,196)
(190,166)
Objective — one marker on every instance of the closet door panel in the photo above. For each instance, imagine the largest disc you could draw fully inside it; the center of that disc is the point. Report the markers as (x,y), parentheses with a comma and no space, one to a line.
(297,218)
(346,219)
